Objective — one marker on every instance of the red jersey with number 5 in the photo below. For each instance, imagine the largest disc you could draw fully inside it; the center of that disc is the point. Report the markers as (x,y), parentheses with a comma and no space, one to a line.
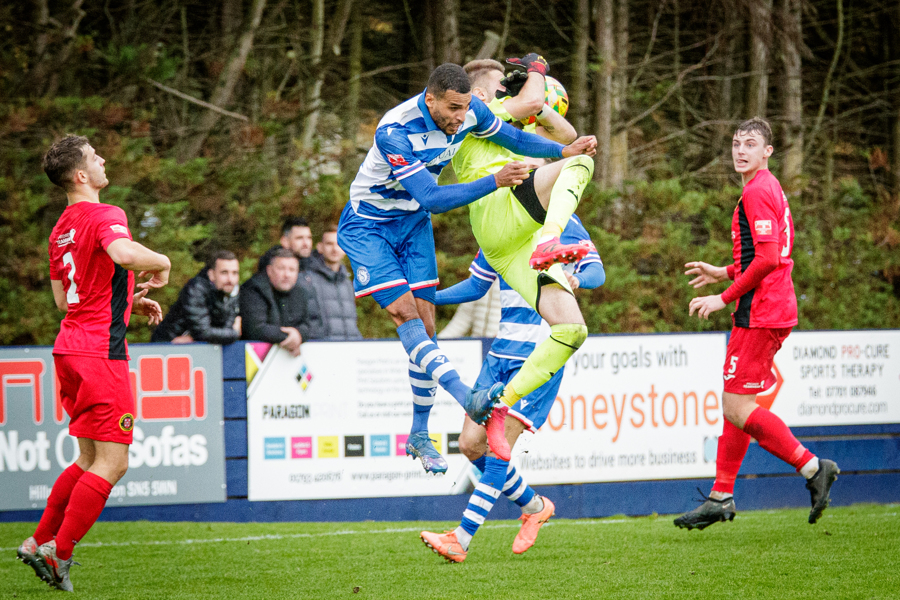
(763,215)
(98,291)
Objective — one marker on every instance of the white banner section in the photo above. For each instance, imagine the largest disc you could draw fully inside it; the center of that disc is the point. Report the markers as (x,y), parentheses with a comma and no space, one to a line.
(333,422)
(837,378)
(632,408)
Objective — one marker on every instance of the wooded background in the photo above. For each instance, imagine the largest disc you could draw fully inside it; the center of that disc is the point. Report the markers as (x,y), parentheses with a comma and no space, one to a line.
(218,119)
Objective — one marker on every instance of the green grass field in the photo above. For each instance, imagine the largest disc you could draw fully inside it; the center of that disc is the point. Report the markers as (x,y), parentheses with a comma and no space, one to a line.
(852,553)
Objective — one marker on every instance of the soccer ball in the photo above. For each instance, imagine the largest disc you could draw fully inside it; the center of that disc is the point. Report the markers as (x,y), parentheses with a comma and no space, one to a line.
(555,97)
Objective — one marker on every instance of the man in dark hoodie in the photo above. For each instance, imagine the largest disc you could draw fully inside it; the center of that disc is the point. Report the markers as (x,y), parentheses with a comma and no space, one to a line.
(296,236)
(273,306)
(334,291)
(207,307)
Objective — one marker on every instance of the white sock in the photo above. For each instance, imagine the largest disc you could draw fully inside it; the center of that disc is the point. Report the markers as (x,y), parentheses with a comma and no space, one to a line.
(463,537)
(720,495)
(810,468)
(535,506)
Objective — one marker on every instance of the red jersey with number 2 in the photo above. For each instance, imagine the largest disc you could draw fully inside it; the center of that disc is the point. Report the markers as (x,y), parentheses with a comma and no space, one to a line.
(763,215)
(98,291)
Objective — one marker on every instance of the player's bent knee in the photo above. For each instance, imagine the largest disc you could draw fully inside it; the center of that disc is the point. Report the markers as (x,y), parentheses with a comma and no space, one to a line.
(472,448)
(581,161)
(570,334)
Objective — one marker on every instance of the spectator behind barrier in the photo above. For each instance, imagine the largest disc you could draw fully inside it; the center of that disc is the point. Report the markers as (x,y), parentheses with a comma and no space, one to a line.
(273,306)
(329,280)
(207,306)
(296,236)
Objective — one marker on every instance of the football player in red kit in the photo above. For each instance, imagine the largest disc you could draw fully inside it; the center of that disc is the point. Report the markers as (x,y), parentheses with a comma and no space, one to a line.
(762,232)
(92,257)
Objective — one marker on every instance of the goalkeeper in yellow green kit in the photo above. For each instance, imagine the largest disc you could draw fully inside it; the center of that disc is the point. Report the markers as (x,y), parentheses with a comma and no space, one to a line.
(518,228)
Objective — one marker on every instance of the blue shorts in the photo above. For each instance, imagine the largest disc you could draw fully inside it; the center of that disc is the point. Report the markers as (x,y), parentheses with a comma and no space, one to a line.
(532,410)
(390,258)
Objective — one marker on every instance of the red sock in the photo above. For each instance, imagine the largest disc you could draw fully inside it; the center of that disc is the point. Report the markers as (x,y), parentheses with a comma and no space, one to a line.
(56,504)
(775,437)
(87,502)
(733,444)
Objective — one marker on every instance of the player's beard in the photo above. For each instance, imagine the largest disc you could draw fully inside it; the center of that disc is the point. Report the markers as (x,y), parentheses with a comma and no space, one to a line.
(98,182)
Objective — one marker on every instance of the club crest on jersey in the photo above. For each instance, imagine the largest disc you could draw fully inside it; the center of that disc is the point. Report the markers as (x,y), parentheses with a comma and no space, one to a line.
(126,422)
(362,274)
(396,160)
(66,238)
(763,227)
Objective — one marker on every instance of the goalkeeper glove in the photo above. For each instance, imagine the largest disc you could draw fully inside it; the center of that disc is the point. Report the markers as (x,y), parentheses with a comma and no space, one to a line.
(532,62)
(513,84)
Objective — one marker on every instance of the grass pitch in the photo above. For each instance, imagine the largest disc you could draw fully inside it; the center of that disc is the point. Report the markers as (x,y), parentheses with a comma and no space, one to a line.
(852,553)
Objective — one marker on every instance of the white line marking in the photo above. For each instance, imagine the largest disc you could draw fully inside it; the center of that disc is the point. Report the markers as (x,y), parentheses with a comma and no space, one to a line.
(292,536)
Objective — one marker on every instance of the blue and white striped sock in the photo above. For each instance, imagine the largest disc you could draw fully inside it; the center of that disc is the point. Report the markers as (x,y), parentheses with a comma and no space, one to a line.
(482,500)
(426,354)
(423,389)
(521,493)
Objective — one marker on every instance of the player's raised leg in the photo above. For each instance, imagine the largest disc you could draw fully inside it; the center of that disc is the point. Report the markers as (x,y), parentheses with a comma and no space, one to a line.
(559,186)
(557,305)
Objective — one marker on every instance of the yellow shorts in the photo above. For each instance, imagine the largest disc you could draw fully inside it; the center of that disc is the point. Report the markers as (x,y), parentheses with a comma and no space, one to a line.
(507,235)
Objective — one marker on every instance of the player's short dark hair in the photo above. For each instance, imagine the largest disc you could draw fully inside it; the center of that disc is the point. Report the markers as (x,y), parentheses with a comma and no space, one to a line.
(448,76)
(757,125)
(218,255)
(281,253)
(64,158)
(477,69)
(292,222)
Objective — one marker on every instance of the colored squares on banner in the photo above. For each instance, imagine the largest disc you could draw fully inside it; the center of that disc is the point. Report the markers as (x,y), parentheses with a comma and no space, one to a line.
(380,445)
(453,443)
(437,440)
(274,448)
(301,447)
(304,377)
(400,446)
(329,446)
(354,445)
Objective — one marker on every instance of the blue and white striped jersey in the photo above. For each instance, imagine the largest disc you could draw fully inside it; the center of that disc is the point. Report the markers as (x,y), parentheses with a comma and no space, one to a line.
(521,327)
(408,140)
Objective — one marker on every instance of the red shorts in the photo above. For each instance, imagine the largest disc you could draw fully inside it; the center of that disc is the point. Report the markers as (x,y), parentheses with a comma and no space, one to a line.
(96,393)
(748,359)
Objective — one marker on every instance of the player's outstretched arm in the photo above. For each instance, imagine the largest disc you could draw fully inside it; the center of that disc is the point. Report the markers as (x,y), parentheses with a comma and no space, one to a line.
(135,257)
(527,144)
(441,198)
(469,290)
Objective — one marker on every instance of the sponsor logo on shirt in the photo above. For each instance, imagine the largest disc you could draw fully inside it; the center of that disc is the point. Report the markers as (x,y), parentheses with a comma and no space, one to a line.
(66,238)
(763,227)
(119,229)
(396,160)
(755,386)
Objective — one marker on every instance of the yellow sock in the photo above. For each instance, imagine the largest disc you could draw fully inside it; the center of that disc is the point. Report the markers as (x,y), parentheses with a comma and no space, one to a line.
(566,194)
(510,397)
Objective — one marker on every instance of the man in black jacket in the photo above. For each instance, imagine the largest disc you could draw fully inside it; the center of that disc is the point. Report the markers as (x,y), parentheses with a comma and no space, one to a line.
(334,291)
(296,236)
(207,307)
(273,306)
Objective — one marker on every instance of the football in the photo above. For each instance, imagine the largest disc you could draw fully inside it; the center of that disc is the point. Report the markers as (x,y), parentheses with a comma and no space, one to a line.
(555,97)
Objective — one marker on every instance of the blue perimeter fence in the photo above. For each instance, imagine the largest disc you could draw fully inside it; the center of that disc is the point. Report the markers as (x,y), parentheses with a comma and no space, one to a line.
(868,455)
